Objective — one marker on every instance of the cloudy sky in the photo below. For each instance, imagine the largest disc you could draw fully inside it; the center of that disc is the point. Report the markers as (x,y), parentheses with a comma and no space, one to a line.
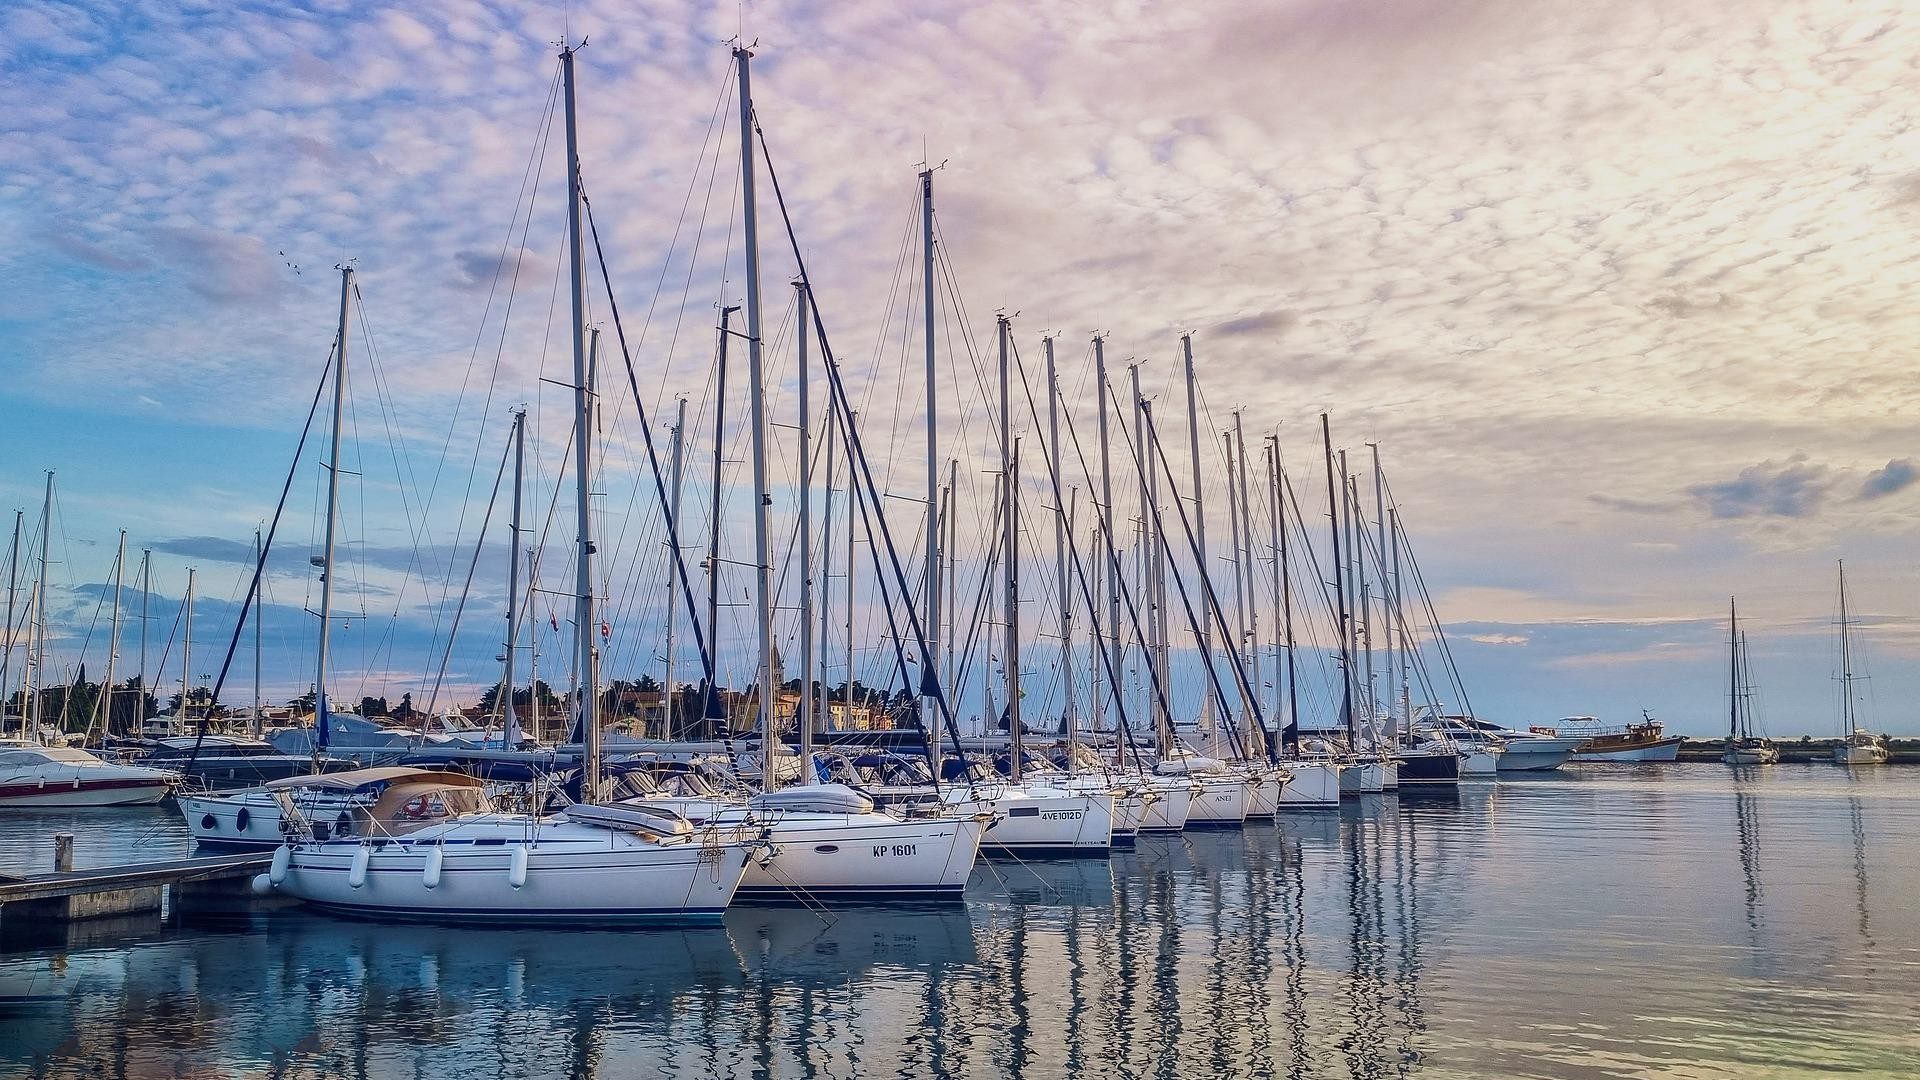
(1622,291)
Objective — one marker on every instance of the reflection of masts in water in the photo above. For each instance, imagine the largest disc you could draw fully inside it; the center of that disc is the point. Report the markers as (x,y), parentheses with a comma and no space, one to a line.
(1293,952)
(1412,933)
(1365,984)
(1263,881)
(1165,1003)
(1746,814)
(1855,813)
(1020,1031)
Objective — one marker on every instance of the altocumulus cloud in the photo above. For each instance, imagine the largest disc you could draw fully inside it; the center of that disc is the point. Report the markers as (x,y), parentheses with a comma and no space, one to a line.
(1895,476)
(1793,488)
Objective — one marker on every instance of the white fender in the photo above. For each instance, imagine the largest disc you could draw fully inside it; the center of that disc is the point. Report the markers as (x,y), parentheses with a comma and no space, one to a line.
(262,884)
(517,866)
(357,873)
(430,877)
(282,858)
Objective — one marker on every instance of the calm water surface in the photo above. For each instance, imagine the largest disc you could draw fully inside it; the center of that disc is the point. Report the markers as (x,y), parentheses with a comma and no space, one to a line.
(1669,921)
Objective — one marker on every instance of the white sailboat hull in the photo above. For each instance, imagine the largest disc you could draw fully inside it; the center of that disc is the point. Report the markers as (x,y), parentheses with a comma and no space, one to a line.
(1860,755)
(826,858)
(1481,764)
(1264,792)
(1222,801)
(1750,755)
(1040,821)
(1312,784)
(517,872)
(1171,807)
(1362,778)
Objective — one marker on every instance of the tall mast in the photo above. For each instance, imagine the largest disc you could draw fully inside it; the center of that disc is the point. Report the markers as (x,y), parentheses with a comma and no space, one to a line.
(258,556)
(1339,589)
(510,733)
(37,616)
(1060,540)
(146,592)
(713,537)
(757,401)
(1389,586)
(588,702)
(1733,672)
(1282,595)
(1200,538)
(855,500)
(1149,553)
(13,587)
(952,569)
(804,707)
(1111,563)
(533,645)
(1846,660)
(113,639)
(322,727)
(1010,546)
(927,677)
(1362,596)
(673,594)
(1406,639)
(1249,607)
(825,713)
(186,657)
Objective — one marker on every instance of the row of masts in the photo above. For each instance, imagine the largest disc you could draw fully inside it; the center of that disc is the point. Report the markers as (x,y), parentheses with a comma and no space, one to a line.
(30,621)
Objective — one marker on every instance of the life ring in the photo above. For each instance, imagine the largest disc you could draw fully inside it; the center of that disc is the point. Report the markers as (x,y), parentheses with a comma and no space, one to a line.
(415,808)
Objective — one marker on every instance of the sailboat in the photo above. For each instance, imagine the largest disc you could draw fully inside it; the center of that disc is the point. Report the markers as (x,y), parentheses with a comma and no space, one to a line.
(51,775)
(1744,747)
(435,847)
(829,840)
(1858,746)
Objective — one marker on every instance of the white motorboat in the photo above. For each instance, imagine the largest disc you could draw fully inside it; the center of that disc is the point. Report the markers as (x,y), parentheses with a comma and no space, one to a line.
(1510,749)
(66,776)
(433,847)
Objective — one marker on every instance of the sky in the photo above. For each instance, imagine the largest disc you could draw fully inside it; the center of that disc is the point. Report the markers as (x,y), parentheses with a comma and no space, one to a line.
(1623,292)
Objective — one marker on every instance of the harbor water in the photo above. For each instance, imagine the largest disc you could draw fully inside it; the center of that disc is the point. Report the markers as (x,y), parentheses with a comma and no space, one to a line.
(1602,921)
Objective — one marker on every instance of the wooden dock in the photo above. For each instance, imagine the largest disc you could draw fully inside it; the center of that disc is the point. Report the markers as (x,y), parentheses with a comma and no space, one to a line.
(217,883)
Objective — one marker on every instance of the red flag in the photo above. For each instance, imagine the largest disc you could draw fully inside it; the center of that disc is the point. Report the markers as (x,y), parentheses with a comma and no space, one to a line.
(554,620)
(606,630)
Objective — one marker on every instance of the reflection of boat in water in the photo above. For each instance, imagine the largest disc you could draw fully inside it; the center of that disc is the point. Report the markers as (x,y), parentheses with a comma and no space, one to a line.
(1645,741)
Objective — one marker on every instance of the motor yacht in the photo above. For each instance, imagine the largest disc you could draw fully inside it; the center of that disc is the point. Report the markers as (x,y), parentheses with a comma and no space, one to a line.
(51,776)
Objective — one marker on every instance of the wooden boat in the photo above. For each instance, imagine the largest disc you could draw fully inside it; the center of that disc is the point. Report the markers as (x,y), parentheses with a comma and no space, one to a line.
(1645,741)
